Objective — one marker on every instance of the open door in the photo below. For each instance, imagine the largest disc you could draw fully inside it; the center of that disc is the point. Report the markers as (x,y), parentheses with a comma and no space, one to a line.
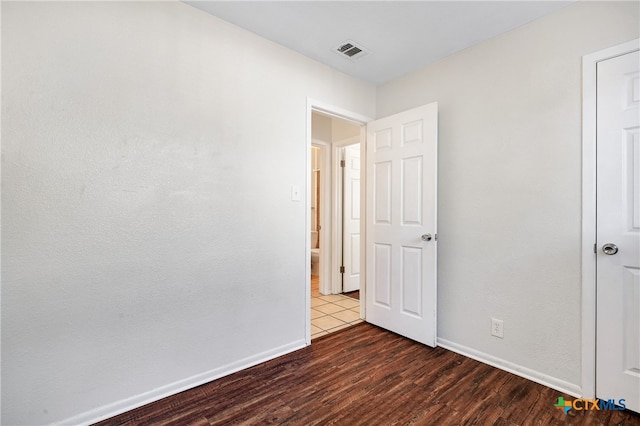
(618,231)
(351,218)
(401,223)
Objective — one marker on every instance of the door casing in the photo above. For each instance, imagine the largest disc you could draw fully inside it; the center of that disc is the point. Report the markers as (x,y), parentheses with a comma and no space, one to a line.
(589,104)
(324,234)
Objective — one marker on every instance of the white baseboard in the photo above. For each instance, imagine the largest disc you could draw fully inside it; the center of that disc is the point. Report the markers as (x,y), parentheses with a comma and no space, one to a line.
(119,407)
(535,376)
(110,410)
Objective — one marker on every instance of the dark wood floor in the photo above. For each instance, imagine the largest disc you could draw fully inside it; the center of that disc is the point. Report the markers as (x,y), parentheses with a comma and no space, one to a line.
(353,294)
(364,375)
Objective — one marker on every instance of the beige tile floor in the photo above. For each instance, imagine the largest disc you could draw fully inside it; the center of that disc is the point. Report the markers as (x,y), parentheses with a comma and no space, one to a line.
(331,312)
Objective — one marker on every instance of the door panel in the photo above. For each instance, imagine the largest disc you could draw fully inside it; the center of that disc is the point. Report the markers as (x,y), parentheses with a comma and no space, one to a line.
(618,223)
(382,277)
(382,192)
(412,194)
(631,321)
(411,274)
(401,207)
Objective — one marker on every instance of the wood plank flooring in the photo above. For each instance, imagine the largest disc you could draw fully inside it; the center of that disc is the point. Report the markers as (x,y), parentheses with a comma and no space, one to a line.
(364,375)
(353,294)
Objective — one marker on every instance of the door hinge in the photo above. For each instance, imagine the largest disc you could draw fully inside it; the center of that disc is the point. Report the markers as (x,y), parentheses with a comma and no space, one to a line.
(342,269)
(343,163)
(595,248)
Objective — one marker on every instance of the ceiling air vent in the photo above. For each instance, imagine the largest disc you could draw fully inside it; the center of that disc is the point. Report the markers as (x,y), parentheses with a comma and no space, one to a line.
(350,50)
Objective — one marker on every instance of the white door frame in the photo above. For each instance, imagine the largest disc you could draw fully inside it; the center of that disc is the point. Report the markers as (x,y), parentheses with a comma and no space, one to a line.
(324,235)
(589,81)
(361,120)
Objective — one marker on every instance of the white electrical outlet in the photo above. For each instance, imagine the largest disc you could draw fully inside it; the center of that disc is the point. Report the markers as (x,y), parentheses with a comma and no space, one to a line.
(497,328)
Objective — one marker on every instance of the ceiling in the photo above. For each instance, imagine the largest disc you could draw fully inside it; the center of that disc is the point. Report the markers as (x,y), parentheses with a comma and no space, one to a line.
(398,36)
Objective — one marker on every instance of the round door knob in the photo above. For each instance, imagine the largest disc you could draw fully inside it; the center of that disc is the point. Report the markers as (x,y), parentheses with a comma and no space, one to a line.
(426,237)
(610,249)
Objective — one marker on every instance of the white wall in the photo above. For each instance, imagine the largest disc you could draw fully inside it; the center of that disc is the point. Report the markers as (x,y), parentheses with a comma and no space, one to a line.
(510,184)
(331,129)
(343,129)
(321,127)
(147,245)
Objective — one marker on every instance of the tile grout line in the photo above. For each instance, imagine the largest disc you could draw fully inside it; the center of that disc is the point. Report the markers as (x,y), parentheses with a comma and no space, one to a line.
(327,322)
(336,322)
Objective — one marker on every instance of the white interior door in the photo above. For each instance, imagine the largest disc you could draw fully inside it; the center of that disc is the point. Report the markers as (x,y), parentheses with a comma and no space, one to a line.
(618,230)
(401,221)
(351,224)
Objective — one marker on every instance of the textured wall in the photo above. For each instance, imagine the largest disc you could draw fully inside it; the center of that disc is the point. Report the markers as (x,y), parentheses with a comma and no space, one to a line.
(510,184)
(148,236)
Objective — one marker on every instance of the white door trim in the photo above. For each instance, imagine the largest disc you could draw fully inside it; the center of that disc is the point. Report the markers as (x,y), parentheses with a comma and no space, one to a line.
(324,235)
(589,64)
(332,110)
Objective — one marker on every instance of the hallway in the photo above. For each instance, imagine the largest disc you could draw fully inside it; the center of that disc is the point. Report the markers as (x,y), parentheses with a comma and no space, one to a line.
(331,312)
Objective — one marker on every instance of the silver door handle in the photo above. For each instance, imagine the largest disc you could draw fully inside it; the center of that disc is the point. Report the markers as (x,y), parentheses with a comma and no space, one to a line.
(610,249)
(426,237)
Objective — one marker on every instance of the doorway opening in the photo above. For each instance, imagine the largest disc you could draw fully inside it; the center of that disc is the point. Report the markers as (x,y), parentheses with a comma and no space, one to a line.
(334,206)
(400,173)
